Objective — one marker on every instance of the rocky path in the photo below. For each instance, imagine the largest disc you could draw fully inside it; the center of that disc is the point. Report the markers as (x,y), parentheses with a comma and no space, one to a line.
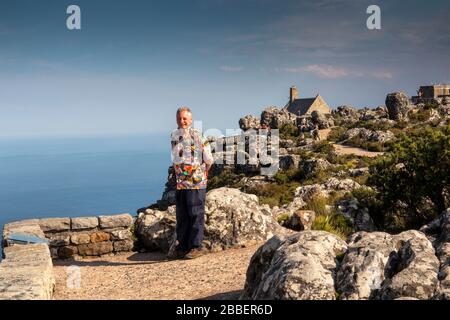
(133,275)
(341,149)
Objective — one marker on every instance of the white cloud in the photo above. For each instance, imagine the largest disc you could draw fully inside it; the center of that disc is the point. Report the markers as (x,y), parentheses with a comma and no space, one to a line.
(322,71)
(334,72)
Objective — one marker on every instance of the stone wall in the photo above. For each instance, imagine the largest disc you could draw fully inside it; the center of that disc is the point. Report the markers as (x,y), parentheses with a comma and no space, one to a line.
(26,273)
(88,236)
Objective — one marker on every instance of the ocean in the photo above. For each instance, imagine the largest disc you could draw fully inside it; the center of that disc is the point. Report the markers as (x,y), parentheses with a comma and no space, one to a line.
(84,176)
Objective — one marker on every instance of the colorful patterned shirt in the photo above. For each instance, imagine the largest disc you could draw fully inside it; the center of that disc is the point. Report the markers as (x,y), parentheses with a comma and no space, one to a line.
(191,152)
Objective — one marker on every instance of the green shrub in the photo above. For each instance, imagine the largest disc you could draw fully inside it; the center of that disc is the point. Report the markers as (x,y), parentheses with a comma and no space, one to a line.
(323,147)
(333,223)
(282,218)
(318,205)
(274,194)
(414,174)
(288,131)
(227,178)
(336,133)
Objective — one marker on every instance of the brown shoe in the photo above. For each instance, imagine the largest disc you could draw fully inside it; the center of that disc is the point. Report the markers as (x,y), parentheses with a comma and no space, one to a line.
(176,254)
(195,253)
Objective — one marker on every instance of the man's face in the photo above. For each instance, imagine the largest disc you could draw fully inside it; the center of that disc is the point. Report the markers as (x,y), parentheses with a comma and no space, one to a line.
(184,119)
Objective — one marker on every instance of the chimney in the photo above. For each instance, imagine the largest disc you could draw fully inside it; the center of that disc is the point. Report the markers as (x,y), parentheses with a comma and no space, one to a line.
(293,93)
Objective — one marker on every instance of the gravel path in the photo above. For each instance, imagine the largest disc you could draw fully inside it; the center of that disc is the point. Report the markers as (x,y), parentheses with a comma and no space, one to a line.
(133,275)
(341,149)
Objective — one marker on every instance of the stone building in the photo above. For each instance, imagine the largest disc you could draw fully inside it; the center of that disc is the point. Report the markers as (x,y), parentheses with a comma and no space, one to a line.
(305,106)
(436,92)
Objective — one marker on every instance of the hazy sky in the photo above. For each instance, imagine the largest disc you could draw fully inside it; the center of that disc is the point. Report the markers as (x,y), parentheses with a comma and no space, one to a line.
(134,62)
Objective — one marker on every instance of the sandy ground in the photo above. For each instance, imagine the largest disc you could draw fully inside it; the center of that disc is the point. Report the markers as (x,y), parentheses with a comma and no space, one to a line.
(340,149)
(150,276)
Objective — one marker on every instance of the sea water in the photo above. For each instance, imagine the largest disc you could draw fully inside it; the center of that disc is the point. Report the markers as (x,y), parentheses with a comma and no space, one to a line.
(84,176)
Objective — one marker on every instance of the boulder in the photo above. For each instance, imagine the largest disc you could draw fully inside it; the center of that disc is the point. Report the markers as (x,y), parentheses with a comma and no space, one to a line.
(398,106)
(248,122)
(381,266)
(300,220)
(296,267)
(314,165)
(412,270)
(232,218)
(347,113)
(275,118)
(439,230)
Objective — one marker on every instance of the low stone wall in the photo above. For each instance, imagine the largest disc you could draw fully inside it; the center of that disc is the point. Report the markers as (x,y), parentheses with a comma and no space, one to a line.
(88,236)
(26,273)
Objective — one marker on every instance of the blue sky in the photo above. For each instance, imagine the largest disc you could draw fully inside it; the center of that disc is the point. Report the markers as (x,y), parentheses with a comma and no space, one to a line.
(134,62)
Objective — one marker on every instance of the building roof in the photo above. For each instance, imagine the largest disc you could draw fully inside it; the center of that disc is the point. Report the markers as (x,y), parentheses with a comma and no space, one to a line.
(300,106)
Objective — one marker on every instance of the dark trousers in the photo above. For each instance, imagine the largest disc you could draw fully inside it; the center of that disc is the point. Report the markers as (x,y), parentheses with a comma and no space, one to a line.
(190,218)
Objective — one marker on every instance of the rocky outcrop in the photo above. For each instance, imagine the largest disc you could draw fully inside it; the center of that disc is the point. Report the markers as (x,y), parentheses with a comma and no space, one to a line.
(297,267)
(307,192)
(439,232)
(248,122)
(312,265)
(275,118)
(368,135)
(380,266)
(312,166)
(346,113)
(398,106)
(356,214)
(232,218)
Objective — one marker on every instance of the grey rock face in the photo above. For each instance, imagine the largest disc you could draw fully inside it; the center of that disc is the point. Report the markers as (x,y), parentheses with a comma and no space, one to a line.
(233,218)
(298,267)
(439,229)
(413,270)
(275,118)
(398,106)
(356,214)
(380,266)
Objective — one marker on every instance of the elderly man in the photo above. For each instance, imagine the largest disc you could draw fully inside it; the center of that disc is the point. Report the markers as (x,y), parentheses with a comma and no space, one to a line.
(192,158)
